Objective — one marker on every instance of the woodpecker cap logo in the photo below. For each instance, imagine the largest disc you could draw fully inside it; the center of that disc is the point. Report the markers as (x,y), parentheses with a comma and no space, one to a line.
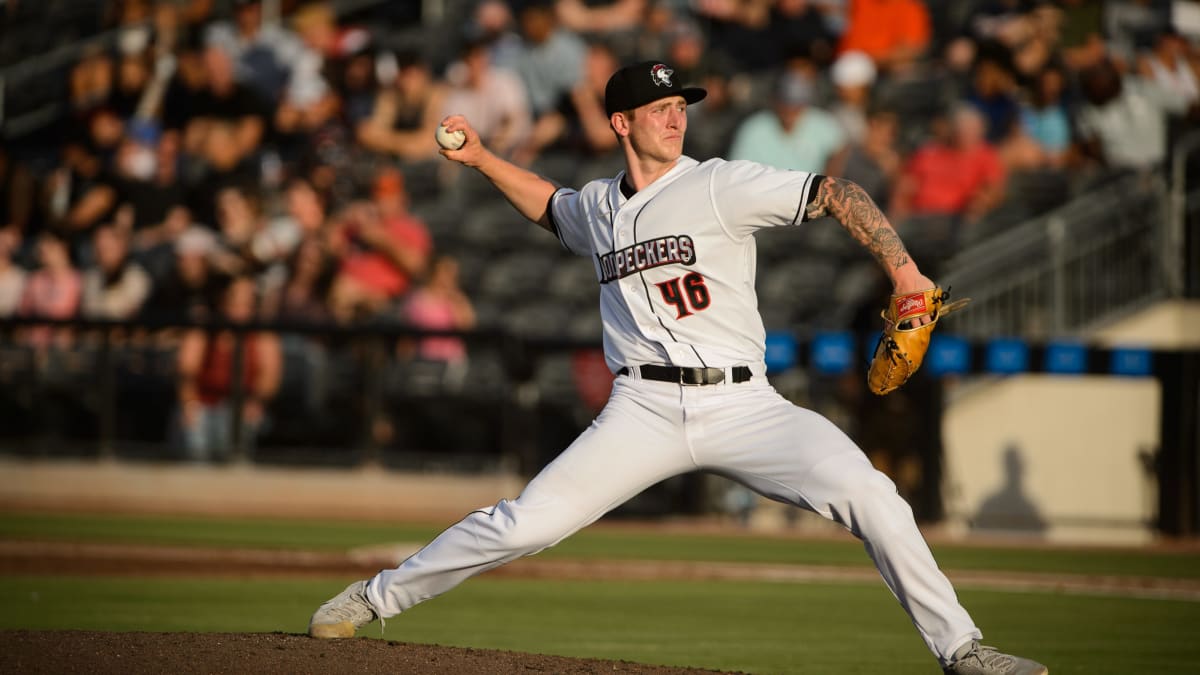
(661,75)
(641,83)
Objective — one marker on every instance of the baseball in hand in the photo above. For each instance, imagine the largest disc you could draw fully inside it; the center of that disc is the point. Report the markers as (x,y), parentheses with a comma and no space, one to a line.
(450,140)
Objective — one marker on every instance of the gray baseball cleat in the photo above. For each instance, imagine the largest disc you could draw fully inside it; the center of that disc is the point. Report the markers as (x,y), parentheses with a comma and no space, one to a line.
(342,615)
(976,659)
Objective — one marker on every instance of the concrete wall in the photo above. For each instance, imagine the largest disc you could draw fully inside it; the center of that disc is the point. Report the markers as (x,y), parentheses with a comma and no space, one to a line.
(247,490)
(1062,456)
(1055,456)
(1171,324)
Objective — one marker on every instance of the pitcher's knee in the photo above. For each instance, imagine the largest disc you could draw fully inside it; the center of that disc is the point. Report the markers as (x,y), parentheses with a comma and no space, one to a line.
(513,529)
(871,505)
(532,536)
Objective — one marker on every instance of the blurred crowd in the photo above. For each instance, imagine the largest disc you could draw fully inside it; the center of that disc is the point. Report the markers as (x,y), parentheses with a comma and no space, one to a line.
(216,162)
(213,143)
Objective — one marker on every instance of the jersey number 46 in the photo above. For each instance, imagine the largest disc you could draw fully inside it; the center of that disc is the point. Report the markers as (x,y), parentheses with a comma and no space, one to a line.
(688,297)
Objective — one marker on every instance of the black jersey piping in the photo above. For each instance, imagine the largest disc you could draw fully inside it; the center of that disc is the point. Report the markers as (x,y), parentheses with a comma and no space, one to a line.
(489,512)
(553,222)
(811,187)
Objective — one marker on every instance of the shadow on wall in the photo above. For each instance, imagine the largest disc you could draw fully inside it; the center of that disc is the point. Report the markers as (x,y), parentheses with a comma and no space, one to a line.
(1009,509)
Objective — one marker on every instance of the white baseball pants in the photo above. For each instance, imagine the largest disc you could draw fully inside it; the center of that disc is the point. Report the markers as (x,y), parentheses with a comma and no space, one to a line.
(650,431)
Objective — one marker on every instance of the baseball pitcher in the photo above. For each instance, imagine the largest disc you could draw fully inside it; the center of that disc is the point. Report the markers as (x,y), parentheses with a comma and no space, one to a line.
(672,243)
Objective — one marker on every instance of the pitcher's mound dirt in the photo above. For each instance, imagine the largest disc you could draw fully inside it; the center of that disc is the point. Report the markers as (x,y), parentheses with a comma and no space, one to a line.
(97,653)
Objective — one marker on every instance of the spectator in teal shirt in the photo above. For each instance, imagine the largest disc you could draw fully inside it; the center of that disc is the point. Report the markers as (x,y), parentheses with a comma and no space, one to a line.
(792,134)
(1044,117)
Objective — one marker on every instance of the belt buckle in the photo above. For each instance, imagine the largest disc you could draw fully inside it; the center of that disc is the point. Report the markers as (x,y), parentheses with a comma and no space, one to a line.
(702,377)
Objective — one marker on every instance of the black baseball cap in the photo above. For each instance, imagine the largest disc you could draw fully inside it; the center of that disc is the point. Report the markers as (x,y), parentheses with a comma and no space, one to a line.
(641,83)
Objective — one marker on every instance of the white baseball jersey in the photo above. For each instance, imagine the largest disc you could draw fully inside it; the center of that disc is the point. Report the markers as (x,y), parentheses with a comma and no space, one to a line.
(676,261)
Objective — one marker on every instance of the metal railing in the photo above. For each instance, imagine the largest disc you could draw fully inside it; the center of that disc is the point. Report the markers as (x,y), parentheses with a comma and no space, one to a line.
(108,388)
(1185,208)
(1077,267)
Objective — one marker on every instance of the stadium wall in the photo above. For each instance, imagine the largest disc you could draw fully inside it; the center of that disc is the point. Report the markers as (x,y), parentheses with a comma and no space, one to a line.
(1069,458)
(247,490)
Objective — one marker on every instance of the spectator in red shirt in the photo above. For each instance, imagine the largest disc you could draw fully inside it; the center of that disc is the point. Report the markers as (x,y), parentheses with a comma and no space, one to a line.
(951,181)
(383,247)
(892,32)
(957,174)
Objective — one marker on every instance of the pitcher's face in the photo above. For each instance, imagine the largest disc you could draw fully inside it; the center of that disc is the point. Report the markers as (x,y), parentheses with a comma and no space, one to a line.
(656,129)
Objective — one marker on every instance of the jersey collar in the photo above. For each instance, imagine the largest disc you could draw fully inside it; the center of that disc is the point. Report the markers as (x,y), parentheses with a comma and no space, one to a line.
(621,193)
(627,190)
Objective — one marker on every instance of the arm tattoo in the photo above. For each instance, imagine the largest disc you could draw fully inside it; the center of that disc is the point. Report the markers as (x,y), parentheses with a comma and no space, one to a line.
(851,206)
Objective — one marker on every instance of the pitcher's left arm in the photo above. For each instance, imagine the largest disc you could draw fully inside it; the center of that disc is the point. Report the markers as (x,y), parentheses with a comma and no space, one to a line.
(853,208)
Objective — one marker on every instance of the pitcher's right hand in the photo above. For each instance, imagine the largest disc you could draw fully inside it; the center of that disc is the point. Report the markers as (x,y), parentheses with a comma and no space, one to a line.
(472,151)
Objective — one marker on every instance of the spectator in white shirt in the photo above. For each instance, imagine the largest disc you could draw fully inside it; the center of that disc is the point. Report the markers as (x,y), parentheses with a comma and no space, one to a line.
(492,98)
(1123,121)
(115,287)
(264,54)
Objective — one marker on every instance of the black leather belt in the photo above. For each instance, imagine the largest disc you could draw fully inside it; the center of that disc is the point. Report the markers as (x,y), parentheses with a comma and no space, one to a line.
(694,376)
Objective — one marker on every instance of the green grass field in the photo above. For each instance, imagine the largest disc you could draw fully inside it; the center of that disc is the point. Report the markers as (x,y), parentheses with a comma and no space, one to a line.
(751,626)
(594,543)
